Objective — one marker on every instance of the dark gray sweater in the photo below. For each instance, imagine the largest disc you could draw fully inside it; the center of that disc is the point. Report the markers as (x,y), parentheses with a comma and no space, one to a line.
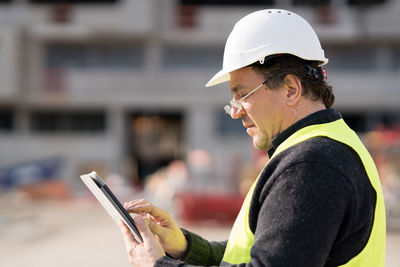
(312,206)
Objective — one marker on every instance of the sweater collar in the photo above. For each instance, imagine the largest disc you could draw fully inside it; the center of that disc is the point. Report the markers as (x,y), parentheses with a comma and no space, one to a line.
(319,117)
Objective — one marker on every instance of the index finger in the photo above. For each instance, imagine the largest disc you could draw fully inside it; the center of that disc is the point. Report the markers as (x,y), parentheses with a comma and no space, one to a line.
(143,206)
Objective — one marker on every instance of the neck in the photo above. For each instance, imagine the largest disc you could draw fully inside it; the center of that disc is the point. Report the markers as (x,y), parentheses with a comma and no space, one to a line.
(300,111)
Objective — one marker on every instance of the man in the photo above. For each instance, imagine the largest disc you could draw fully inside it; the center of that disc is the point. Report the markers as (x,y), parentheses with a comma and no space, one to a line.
(318,201)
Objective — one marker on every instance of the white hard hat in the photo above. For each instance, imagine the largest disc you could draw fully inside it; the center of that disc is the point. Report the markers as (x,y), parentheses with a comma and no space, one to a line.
(268,32)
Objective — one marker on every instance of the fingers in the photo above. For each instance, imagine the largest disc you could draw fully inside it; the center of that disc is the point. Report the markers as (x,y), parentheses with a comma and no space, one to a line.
(145,254)
(124,229)
(155,227)
(144,230)
(143,206)
(134,201)
(139,206)
(129,241)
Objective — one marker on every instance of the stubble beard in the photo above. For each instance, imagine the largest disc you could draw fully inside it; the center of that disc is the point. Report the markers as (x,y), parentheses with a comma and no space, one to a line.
(261,142)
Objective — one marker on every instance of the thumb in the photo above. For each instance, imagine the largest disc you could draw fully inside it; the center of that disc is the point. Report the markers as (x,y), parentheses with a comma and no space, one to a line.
(155,228)
(143,229)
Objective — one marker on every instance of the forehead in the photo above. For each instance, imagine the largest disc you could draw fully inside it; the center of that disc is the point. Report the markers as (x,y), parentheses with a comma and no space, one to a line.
(244,78)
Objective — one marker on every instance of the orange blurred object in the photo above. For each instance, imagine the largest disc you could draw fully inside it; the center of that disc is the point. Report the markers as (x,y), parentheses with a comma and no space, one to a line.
(53,189)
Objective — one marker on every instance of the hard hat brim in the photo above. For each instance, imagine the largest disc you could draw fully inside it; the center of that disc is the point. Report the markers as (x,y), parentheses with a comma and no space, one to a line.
(224,76)
(220,77)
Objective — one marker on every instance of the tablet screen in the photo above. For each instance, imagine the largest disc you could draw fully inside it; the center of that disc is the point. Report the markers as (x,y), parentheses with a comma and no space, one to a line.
(110,203)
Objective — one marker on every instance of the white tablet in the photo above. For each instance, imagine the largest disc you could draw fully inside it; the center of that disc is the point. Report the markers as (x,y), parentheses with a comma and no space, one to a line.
(111,204)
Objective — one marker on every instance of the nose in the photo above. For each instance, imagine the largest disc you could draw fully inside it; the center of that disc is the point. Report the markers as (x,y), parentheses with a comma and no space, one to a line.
(237,113)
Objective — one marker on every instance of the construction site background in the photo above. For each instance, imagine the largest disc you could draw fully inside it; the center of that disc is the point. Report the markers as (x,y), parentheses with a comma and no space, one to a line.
(117,86)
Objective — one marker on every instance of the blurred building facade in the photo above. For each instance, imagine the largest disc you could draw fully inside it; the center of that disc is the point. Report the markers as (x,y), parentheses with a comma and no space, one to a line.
(118,86)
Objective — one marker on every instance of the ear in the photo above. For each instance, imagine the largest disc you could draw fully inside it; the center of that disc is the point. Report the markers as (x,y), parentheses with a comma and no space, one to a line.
(293,90)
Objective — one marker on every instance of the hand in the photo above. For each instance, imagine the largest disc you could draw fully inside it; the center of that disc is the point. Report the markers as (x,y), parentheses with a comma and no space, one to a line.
(162,225)
(145,254)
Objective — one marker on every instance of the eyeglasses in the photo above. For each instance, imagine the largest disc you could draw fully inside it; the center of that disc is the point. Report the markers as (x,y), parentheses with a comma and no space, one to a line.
(236,104)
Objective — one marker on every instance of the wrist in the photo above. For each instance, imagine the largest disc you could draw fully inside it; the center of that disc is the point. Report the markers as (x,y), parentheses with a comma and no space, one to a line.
(179,250)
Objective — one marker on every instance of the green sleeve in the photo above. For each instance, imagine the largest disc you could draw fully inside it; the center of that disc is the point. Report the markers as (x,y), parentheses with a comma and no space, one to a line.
(201,251)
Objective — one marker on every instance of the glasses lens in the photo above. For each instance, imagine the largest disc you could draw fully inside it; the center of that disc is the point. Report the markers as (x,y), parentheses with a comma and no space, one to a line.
(236,105)
(232,105)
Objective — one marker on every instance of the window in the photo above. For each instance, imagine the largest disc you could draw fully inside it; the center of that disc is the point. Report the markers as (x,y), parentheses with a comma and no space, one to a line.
(178,57)
(68,121)
(396,58)
(226,2)
(73,1)
(365,2)
(90,56)
(355,57)
(312,2)
(364,122)
(6,120)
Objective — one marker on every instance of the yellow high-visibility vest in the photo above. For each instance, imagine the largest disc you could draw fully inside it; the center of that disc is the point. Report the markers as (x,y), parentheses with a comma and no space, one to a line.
(241,238)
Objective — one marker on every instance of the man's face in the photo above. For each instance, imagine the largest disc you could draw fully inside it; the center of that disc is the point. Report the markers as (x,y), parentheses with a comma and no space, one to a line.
(262,111)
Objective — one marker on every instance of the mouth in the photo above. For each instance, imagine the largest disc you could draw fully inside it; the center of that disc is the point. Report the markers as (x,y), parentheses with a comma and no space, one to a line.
(247,126)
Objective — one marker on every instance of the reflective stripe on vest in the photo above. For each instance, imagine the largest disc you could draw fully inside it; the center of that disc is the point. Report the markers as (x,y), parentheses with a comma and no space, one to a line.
(241,238)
